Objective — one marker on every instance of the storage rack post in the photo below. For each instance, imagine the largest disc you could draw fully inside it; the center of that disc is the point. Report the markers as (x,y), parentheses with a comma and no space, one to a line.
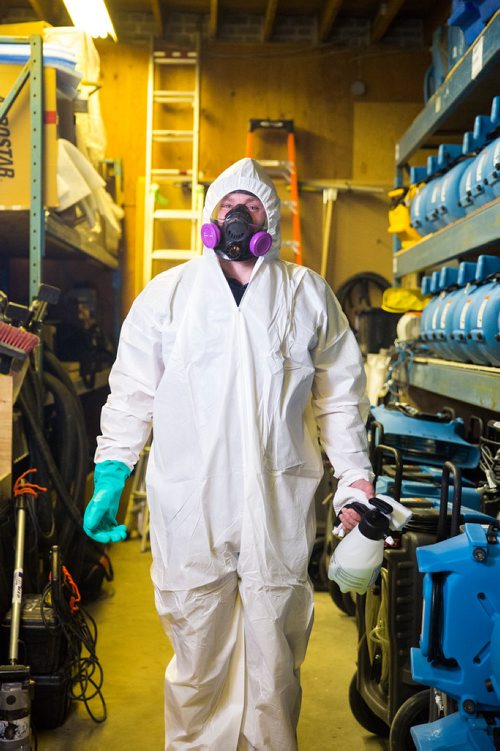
(32,70)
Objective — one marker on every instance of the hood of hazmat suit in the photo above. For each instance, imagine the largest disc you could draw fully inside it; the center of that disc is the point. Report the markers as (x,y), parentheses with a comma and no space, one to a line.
(247,175)
(236,395)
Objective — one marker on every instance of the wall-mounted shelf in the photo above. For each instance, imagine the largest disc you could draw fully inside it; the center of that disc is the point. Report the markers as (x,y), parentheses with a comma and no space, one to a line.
(473,384)
(61,240)
(453,107)
(474,233)
(60,236)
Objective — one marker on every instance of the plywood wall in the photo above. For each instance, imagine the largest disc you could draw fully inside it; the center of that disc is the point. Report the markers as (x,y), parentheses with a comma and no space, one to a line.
(339,136)
(123,102)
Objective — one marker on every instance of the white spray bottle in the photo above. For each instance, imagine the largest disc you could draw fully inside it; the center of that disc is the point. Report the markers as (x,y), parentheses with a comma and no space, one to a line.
(356,561)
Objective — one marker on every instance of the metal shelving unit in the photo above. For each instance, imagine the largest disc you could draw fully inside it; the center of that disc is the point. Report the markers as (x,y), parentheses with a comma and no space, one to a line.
(37,229)
(474,233)
(473,80)
(454,380)
(466,92)
(60,236)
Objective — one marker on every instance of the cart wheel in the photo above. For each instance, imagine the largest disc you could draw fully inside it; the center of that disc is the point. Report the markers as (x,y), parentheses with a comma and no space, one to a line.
(342,601)
(363,714)
(414,711)
(316,566)
(349,601)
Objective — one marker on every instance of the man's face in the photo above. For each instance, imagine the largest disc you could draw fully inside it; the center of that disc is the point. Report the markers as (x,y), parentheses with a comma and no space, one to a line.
(251,203)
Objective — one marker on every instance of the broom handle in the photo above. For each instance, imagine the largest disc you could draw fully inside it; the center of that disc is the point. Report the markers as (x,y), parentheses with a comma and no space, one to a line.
(17,586)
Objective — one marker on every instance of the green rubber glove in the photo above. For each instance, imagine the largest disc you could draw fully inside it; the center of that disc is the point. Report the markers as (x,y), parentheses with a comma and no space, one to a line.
(99,521)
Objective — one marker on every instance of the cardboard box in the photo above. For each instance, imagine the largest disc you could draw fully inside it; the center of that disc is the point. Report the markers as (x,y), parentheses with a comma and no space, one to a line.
(15,139)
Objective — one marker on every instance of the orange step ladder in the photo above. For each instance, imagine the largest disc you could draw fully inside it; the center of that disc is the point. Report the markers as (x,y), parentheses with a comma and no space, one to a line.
(285,170)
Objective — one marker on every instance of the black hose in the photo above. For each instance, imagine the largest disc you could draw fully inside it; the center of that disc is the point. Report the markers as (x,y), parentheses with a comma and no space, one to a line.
(71,465)
(66,429)
(80,467)
(54,366)
(46,454)
(362,280)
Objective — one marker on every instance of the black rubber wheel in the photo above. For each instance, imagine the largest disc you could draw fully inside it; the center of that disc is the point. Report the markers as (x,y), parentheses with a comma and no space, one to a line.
(414,711)
(363,714)
(316,566)
(343,601)
(349,602)
(359,293)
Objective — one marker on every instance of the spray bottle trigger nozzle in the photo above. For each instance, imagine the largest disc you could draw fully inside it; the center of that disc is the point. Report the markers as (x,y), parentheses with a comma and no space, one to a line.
(381,505)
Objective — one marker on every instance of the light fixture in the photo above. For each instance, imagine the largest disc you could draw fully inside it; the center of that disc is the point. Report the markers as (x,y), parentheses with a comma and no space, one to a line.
(91,16)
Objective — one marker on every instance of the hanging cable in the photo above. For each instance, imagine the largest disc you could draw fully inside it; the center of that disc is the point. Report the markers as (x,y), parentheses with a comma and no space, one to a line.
(61,596)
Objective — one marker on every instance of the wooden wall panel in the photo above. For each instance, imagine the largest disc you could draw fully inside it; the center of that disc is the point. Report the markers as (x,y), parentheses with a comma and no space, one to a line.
(359,238)
(334,140)
(377,126)
(124,74)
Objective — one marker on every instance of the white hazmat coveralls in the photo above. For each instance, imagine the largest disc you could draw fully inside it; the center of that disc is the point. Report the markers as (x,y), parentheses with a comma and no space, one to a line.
(232,472)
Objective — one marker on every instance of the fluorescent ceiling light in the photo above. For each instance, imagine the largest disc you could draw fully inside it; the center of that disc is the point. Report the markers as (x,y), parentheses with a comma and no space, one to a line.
(91,16)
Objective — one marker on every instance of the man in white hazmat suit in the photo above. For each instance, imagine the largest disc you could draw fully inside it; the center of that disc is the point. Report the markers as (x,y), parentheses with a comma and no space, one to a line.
(235,394)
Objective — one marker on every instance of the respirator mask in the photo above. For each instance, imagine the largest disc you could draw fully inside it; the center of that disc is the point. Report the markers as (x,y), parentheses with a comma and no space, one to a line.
(236,237)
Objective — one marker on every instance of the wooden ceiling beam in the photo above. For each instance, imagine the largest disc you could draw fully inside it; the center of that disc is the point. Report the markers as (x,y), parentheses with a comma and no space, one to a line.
(159,20)
(269,18)
(45,10)
(386,14)
(437,17)
(328,16)
(213,22)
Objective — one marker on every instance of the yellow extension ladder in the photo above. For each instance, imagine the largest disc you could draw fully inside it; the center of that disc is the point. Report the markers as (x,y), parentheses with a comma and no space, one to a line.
(173,196)
(137,514)
(284,171)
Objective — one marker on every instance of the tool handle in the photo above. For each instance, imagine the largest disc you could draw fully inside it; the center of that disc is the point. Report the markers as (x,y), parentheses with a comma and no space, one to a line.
(450,469)
(17,583)
(378,453)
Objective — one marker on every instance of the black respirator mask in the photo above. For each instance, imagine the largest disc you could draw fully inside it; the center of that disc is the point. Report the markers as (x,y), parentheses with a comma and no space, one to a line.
(236,238)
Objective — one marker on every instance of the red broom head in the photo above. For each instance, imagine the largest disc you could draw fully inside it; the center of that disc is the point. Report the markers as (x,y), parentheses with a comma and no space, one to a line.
(15,337)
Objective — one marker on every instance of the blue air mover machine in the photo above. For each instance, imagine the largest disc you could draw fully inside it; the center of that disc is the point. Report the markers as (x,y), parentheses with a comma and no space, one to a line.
(425,177)
(465,14)
(466,276)
(482,192)
(432,287)
(484,323)
(465,318)
(447,284)
(448,204)
(417,480)
(492,167)
(426,438)
(461,315)
(389,615)
(461,586)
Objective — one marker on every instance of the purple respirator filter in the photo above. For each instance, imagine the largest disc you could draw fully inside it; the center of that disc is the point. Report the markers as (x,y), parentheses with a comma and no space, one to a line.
(260,242)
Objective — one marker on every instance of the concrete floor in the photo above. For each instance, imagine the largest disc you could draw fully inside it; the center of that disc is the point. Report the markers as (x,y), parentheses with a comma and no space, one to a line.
(134,651)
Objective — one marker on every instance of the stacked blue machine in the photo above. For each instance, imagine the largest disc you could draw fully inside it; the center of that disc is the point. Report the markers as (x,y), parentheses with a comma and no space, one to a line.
(459,178)
(449,43)
(459,652)
(462,319)
(424,443)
